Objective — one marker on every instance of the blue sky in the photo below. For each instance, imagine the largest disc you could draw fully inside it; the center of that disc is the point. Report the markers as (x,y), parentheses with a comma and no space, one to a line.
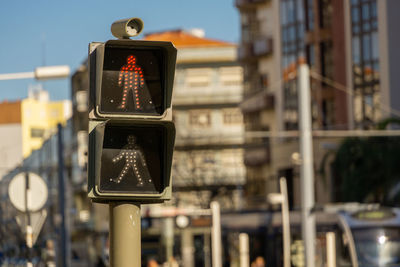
(51,32)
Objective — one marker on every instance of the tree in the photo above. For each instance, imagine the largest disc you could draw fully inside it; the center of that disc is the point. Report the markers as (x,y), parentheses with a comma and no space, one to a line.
(369,168)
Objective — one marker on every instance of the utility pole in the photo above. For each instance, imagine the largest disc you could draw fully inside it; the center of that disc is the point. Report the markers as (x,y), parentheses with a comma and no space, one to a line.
(330,249)
(216,235)
(29,238)
(306,167)
(285,222)
(282,199)
(63,242)
(187,248)
(244,250)
(169,238)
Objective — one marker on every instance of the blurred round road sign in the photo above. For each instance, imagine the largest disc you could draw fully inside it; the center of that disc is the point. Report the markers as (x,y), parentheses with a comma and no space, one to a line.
(182,221)
(35,192)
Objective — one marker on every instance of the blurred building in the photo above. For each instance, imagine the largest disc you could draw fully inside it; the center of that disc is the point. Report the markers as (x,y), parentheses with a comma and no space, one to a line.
(259,53)
(40,118)
(353,82)
(208,155)
(90,226)
(27,123)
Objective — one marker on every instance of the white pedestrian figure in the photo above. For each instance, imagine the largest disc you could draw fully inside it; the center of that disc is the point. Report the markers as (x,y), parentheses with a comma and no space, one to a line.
(134,158)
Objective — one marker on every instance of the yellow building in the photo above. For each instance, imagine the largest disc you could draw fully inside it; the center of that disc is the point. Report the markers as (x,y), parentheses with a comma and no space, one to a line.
(37,116)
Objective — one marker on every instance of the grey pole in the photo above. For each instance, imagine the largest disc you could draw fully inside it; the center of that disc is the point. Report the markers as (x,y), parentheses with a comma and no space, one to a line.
(125,247)
(40,73)
(28,222)
(207,250)
(285,222)
(63,242)
(169,238)
(216,235)
(330,249)
(187,248)
(306,167)
(244,250)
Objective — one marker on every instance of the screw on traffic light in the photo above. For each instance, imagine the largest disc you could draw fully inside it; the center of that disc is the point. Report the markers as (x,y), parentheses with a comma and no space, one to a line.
(131,133)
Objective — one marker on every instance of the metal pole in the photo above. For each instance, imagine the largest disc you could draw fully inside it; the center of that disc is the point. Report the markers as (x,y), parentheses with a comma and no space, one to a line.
(330,249)
(29,238)
(17,76)
(207,250)
(40,73)
(306,167)
(187,248)
(285,222)
(216,235)
(244,250)
(61,200)
(169,238)
(125,247)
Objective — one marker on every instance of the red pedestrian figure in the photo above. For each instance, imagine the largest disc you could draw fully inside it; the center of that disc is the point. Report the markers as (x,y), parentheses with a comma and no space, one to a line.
(131,78)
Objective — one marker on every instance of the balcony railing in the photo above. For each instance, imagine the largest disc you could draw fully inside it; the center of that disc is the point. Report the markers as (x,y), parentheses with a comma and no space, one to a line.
(260,101)
(263,46)
(258,155)
(250,3)
(257,48)
(191,139)
(245,51)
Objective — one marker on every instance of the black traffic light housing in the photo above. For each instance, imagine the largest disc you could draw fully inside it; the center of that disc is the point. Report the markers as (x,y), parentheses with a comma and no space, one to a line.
(155,60)
(131,133)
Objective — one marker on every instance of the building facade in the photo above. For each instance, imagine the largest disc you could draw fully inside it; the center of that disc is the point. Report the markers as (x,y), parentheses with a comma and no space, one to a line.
(27,123)
(208,155)
(259,52)
(353,85)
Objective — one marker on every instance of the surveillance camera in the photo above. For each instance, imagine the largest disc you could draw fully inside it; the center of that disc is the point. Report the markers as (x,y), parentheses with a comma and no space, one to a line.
(125,28)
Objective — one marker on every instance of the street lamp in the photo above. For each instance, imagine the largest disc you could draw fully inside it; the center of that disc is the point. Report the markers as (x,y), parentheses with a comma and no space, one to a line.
(282,199)
(40,73)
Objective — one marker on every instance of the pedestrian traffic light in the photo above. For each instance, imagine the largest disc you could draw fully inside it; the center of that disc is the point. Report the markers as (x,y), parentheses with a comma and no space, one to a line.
(133,78)
(131,135)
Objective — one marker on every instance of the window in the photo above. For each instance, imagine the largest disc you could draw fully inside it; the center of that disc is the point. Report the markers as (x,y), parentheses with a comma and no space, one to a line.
(55,113)
(293,50)
(311,55)
(200,118)
(365,55)
(325,13)
(198,77)
(328,106)
(327,59)
(250,25)
(37,132)
(232,116)
(264,81)
(231,76)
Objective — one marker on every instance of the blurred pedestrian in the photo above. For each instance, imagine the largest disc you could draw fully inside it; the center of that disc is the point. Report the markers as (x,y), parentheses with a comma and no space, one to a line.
(152,263)
(171,263)
(100,262)
(258,262)
(50,254)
